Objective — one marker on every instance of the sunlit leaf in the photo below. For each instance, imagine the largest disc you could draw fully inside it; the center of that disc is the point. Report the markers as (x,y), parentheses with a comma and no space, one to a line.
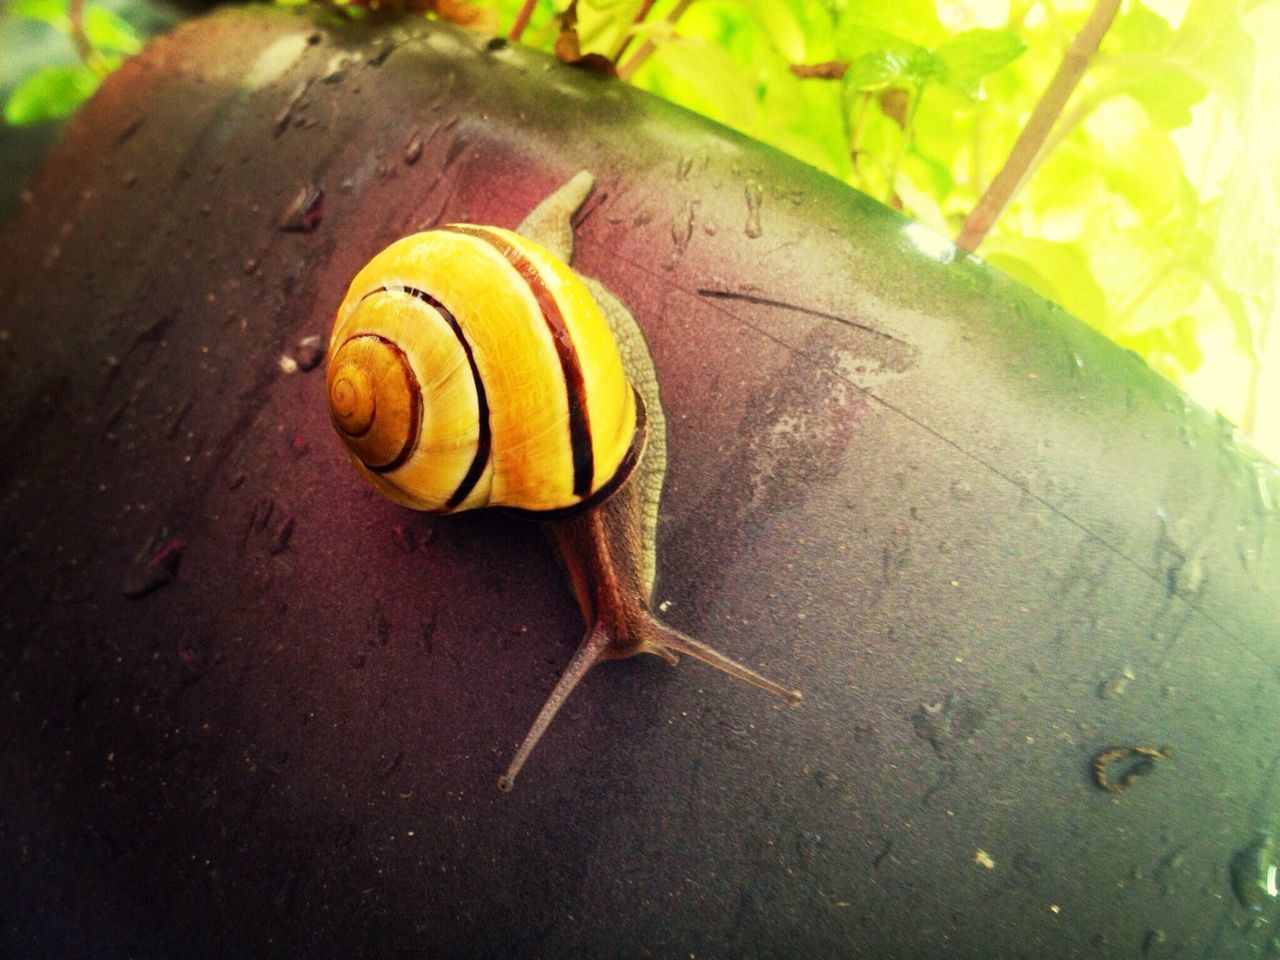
(780,23)
(1141,163)
(1246,254)
(1167,96)
(704,78)
(1171,348)
(1237,312)
(968,57)
(49,94)
(1138,29)
(1057,271)
(107,31)
(866,25)
(878,70)
(53,12)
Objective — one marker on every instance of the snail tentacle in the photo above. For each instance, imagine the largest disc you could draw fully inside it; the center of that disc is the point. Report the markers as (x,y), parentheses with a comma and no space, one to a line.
(551,221)
(595,647)
(603,561)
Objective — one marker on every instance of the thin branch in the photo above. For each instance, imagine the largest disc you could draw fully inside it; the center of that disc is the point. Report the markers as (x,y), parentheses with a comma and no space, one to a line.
(830,70)
(75,19)
(522,20)
(647,48)
(1052,101)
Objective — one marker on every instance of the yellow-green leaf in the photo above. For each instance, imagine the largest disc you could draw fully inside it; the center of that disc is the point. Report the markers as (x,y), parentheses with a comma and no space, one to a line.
(107,31)
(49,94)
(968,57)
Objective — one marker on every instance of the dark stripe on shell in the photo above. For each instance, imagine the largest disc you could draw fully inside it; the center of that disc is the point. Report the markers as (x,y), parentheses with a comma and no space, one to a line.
(606,490)
(570,367)
(415,404)
(485,438)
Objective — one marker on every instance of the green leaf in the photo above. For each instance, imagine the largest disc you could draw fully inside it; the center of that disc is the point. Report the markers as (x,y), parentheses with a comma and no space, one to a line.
(867,25)
(49,94)
(701,76)
(780,24)
(878,70)
(1167,96)
(968,57)
(107,31)
(1173,348)
(883,69)
(1212,41)
(52,12)
(1058,271)
(1137,30)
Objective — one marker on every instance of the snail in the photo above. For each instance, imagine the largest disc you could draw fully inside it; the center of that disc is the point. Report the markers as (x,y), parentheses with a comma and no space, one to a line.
(470,366)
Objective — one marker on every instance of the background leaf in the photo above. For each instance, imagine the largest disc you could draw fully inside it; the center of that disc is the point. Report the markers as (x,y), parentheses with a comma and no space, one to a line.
(107,31)
(52,12)
(50,93)
(970,56)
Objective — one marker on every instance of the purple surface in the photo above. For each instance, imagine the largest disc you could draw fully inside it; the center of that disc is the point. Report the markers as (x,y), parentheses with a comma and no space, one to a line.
(949,513)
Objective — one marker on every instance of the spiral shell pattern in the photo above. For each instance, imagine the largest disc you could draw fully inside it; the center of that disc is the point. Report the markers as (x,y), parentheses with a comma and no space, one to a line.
(469,367)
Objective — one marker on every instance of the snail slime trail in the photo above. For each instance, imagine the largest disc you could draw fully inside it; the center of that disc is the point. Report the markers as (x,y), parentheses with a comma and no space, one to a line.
(415,397)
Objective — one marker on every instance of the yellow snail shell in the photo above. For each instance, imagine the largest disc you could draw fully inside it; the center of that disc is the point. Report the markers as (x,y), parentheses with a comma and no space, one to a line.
(469,367)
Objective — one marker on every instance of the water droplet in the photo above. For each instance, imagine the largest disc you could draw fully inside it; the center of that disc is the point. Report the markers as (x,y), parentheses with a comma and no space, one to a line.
(155,565)
(1115,685)
(682,231)
(1266,502)
(283,533)
(306,211)
(413,149)
(961,491)
(1186,576)
(1254,873)
(755,197)
(262,508)
(356,659)
(308,352)
(179,415)
(1152,940)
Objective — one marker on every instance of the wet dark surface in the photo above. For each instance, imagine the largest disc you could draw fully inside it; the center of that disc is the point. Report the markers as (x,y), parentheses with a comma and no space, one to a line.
(249,708)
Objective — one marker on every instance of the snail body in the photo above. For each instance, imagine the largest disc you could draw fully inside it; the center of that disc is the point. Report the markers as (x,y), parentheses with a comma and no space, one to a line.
(470,367)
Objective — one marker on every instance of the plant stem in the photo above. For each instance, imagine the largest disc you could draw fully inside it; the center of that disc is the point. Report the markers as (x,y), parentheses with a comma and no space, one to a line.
(75,19)
(522,20)
(1011,176)
(647,48)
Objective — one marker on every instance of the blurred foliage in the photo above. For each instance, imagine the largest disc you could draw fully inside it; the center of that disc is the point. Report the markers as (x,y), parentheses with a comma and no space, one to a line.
(101,39)
(1150,211)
